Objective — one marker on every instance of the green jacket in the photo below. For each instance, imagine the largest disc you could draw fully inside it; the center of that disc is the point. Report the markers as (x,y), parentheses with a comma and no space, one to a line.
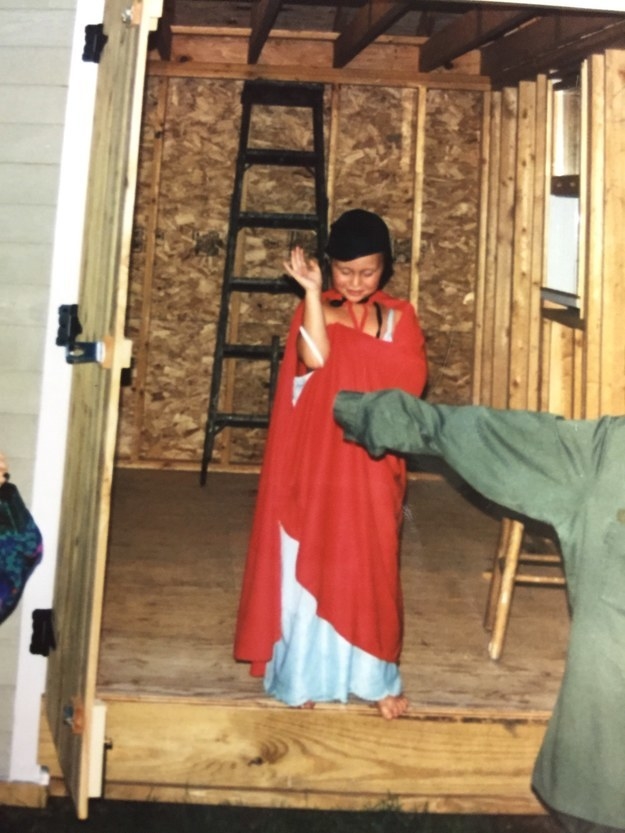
(570,474)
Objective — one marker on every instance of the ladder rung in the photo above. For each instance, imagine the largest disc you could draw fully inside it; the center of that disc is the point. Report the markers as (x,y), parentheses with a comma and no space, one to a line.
(282,94)
(273,285)
(249,219)
(276,94)
(224,420)
(248,351)
(276,156)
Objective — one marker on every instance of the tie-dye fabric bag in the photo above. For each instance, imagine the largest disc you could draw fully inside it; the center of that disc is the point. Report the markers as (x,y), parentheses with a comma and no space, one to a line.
(21,548)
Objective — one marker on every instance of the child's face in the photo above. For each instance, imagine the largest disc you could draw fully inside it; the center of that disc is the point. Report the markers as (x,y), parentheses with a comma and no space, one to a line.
(359,278)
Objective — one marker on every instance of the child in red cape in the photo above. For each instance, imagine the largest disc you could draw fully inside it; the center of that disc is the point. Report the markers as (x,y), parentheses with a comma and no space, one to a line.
(320,615)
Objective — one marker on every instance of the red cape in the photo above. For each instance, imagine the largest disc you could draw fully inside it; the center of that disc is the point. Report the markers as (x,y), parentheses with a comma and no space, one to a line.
(343,506)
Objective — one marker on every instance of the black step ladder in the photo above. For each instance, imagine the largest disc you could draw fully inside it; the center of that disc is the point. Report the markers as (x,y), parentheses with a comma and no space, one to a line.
(276,94)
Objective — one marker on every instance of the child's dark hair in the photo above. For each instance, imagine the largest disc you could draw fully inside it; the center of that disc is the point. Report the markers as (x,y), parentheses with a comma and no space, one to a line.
(357,233)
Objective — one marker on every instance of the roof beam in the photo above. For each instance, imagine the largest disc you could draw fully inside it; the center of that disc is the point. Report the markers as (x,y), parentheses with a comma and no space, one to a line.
(471,31)
(263,15)
(550,44)
(369,21)
(341,17)
(163,34)
(561,5)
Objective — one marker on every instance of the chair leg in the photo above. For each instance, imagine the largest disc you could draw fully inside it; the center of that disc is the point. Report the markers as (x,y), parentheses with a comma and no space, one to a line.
(495,582)
(502,614)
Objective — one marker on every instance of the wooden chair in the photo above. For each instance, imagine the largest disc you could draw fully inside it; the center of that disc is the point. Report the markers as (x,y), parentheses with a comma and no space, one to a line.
(509,556)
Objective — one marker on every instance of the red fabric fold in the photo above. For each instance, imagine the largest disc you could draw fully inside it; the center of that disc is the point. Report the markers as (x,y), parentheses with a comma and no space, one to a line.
(343,506)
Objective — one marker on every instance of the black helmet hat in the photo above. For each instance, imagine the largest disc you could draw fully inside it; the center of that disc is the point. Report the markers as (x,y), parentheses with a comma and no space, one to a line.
(358,233)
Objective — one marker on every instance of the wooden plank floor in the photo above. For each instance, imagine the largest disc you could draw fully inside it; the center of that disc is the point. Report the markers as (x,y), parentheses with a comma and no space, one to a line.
(174,572)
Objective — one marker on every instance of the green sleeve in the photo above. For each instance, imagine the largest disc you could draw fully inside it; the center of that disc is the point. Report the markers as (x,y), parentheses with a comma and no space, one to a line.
(534,463)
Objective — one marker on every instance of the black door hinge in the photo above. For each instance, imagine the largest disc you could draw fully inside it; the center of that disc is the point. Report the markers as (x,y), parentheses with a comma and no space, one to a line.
(76,352)
(95,41)
(43,639)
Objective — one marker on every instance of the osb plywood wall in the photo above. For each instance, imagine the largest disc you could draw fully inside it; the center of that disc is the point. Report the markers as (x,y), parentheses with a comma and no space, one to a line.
(189,145)
(449,241)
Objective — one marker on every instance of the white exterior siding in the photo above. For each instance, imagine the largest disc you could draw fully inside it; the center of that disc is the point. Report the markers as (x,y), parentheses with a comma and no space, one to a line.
(35,50)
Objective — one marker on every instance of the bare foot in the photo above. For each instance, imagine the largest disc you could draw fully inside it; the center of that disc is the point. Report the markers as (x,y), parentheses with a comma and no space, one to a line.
(391,707)
(309,704)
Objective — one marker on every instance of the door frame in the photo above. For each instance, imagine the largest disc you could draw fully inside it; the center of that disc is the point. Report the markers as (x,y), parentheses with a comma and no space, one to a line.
(55,391)
(57,375)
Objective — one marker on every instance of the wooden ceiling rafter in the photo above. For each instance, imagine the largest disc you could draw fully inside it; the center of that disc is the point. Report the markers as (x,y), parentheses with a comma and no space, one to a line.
(548,6)
(263,15)
(425,27)
(369,22)
(553,43)
(341,16)
(470,31)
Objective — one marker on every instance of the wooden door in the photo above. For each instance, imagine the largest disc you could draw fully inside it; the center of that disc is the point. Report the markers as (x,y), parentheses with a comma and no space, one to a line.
(72,668)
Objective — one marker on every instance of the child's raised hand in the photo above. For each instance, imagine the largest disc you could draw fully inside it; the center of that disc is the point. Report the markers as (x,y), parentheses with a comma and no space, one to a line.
(4,468)
(306,272)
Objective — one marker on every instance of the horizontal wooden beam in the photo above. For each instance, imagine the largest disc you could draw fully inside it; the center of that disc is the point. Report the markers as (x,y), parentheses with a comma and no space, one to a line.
(370,21)
(325,758)
(307,56)
(366,77)
(549,44)
(471,31)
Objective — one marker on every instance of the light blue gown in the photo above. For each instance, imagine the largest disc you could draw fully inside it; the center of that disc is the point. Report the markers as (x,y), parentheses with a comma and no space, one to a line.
(311,661)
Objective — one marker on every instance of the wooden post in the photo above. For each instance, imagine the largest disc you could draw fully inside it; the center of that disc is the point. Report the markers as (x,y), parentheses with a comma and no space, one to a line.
(504,243)
(335,118)
(578,386)
(592,193)
(542,165)
(555,358)
(417,203)
(490,257)
(481,296)
(545,361)
(613,351)
(521,325)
